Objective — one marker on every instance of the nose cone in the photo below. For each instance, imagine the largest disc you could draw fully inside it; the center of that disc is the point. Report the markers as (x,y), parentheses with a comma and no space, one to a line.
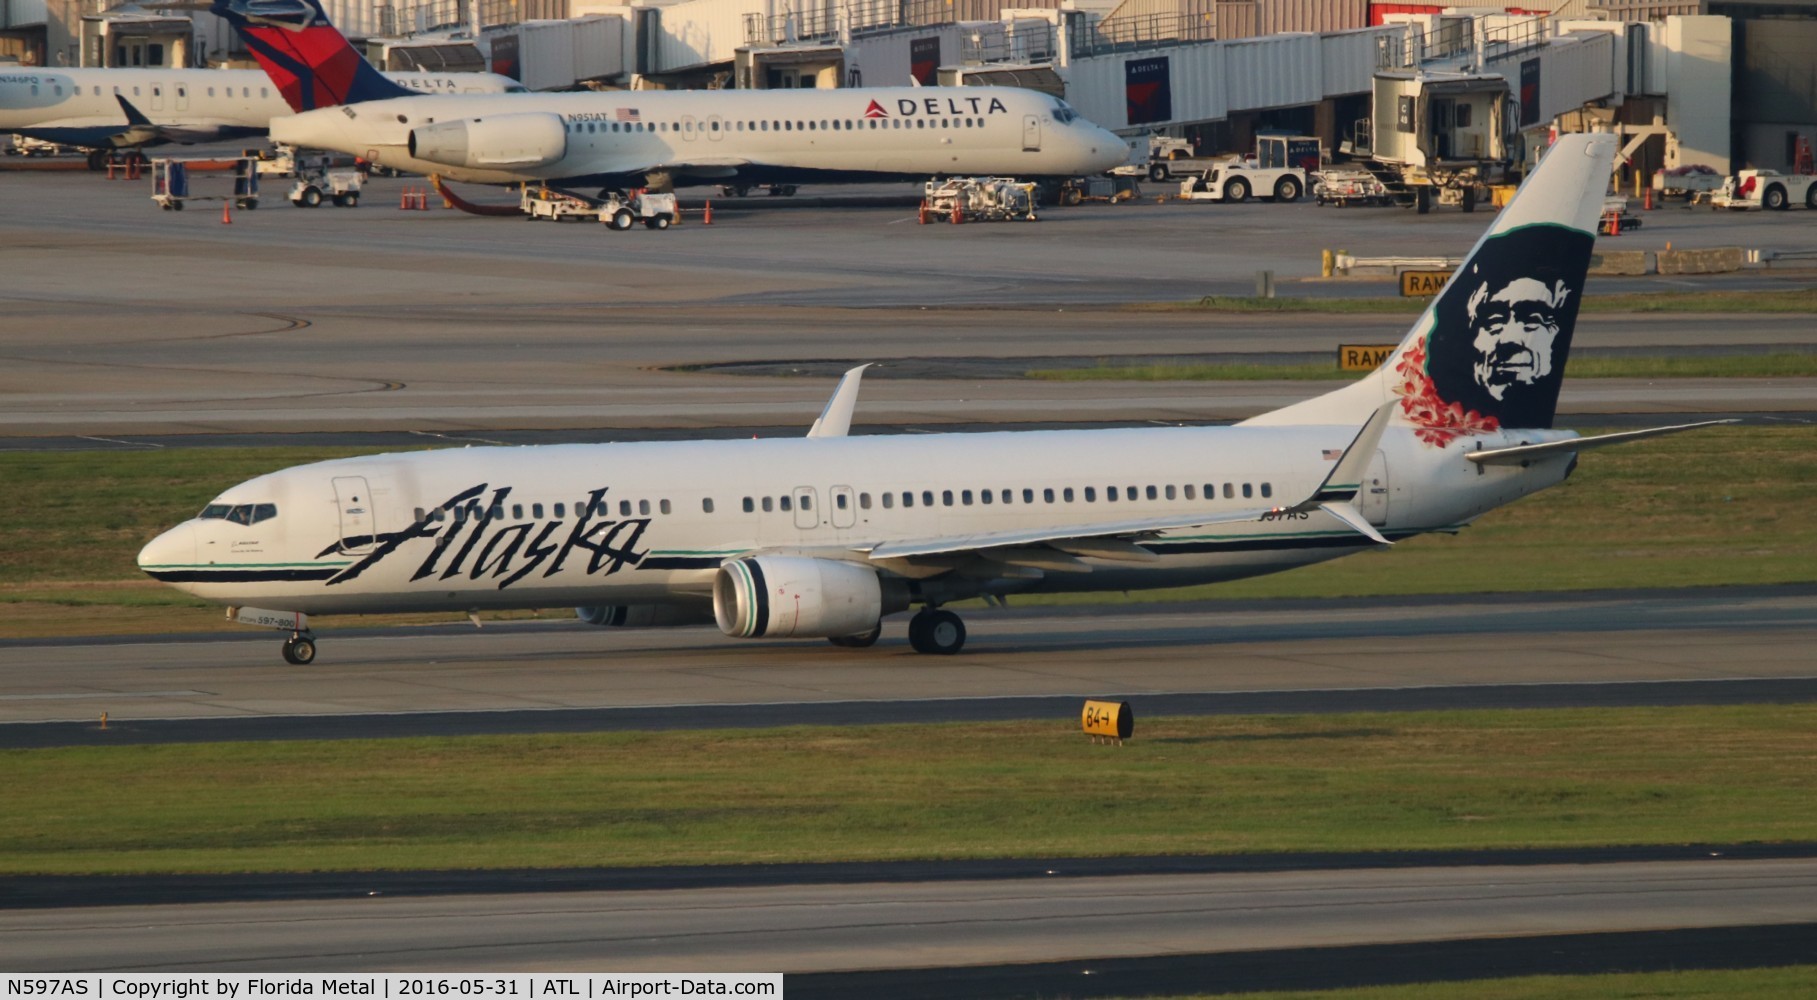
(171,552)
(1106,149)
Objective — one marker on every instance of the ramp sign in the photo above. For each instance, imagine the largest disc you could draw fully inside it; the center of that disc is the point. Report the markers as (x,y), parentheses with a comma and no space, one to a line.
(1422,284)
(1363,357)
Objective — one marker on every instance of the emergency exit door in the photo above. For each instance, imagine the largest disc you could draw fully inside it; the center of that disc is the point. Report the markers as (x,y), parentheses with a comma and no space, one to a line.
(353,499)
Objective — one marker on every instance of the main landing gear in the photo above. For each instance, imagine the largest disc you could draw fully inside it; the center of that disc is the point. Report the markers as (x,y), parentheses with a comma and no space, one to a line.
(299,649)
(936,631)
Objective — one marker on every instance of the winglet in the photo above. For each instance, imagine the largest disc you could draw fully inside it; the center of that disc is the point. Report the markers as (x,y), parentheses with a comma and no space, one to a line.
(1345,480)
(836,419)
(133,115)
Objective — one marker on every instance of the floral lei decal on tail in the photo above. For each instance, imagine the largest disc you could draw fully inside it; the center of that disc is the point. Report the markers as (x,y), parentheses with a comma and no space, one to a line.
(1439,423)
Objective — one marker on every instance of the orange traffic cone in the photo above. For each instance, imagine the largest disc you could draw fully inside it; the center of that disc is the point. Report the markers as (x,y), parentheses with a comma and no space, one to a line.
(958,216)
(706,216)
(227,213)
(403,198)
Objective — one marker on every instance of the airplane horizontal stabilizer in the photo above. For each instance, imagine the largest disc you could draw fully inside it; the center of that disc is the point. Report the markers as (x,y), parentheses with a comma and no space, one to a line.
(1347,513)
(1528,452)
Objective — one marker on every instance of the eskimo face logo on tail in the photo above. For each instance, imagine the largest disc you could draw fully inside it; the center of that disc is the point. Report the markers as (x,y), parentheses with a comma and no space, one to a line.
(1495,353)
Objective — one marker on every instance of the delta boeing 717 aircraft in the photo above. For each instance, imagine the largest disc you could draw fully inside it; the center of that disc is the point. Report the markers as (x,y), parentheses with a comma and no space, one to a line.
(827,534)
(658,138)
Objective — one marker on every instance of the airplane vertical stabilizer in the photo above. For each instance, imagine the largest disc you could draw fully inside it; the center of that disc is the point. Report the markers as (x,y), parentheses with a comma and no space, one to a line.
(310,61)
(1489,353)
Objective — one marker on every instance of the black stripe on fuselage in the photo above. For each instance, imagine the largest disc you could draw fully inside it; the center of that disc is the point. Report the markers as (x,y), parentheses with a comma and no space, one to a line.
(681,562)
(241,575)
(1348,541)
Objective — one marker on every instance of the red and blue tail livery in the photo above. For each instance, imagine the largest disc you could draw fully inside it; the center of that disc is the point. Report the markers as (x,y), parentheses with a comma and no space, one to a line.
(310,61)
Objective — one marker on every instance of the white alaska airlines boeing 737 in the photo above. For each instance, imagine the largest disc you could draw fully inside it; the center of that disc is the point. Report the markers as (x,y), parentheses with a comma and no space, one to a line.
(826,534)
(657,138)
(104,109)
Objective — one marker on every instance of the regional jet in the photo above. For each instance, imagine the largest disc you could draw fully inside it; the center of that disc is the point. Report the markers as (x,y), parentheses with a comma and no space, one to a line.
(659,138)
(108,109)
(825,535)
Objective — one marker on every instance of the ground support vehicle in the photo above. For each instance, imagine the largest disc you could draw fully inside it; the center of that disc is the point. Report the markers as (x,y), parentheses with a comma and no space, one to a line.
(340,186)
(170,182)
(1150,157)
(1689,182)
(617,210)
(23,146)
(1350,187)
(1236,180)
(978,199)
(1766,189)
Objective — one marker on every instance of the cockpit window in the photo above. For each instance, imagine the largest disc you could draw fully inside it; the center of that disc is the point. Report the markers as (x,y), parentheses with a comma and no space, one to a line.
(1063,112)
(239,513)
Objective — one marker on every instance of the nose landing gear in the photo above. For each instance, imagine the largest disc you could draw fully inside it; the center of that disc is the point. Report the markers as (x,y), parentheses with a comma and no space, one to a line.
(299,649)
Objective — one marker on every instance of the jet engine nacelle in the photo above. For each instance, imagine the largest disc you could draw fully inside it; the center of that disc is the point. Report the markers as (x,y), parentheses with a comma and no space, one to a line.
(530,139)
(645,615)
(794,595)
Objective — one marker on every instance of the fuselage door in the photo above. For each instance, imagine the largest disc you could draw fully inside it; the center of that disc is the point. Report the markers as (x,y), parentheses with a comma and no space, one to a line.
(807,512)
(353,499)
(845,506)
(1031,133)
(1373,499)
(716,128)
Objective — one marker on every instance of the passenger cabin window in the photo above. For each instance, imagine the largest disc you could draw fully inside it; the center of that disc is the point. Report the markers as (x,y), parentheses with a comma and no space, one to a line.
(643,507)
(561,510)
(786,503)
(768,504)
(1268,489)
(749,506)
(706,505)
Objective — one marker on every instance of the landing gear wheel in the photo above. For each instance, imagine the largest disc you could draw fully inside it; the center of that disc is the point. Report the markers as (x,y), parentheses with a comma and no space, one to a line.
(621,220)
(859,641)
(937,632)
(299,650)
(97,160)
(1236,190)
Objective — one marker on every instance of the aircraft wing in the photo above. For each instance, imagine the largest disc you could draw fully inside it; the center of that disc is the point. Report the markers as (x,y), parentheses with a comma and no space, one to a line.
(698,166)
(1120,539)
(142,131)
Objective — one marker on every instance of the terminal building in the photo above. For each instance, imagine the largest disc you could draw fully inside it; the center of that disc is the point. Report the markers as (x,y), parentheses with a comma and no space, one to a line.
(1717,85)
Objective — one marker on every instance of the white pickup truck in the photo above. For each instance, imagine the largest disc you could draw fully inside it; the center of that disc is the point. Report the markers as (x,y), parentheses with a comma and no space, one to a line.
(1237,180)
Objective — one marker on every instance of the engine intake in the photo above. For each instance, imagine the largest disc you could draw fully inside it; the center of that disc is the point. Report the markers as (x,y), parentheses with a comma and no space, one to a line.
(645,615)
(525,139)
(779,596)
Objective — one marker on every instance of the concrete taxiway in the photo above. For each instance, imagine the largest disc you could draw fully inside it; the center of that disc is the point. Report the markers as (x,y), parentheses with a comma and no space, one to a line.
(817,928)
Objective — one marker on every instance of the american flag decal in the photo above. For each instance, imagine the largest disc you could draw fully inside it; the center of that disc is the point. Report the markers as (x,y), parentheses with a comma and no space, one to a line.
(1331,454)
(628,115)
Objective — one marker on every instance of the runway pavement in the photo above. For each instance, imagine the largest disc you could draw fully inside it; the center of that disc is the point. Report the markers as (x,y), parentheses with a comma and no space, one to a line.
(947,925)
(1133,651)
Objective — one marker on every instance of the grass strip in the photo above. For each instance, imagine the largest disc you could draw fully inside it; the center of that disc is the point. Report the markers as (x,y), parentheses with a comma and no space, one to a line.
(1791,982)
(1715,507)
(1784,365)
(1799,300)
(1403,781)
